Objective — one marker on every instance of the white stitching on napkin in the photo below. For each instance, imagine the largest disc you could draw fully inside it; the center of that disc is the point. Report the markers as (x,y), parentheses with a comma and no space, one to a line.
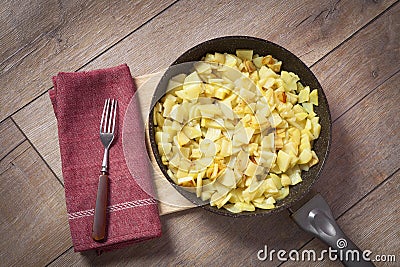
(112,208)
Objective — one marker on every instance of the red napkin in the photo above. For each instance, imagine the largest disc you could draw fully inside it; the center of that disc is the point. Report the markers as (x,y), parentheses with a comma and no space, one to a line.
(78,100)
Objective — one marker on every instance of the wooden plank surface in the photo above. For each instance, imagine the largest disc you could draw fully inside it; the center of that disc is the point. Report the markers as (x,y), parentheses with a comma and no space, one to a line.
(365,148)
(11,137)
(64,49)
(354,156)
(39,123)
(23,22)
(198,238)
(309,29)
(33,220)
(347,54)
(372,224)
(367,133)
(358,77)
(353,70)
(70,33)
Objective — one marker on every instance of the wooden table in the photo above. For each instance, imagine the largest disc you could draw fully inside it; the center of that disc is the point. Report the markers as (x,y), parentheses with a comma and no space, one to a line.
(352,47)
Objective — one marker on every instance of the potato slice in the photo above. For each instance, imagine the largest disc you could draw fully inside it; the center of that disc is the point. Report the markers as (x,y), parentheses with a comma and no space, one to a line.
(285,180)
(283,160)
(304,95)
(232,208)
(244,206)
(284,192)
(244,54)
(184,180)
(227,178)
(305,156)
(264,206)
(314,97)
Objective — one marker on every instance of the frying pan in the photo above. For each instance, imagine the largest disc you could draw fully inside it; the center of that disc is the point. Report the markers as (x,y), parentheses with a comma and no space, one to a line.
(315,216)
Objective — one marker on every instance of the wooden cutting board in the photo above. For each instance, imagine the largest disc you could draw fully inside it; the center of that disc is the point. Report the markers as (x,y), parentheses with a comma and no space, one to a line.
(169,199)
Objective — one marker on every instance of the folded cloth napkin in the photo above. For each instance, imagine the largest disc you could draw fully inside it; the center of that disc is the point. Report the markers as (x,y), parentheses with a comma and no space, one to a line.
(132,214)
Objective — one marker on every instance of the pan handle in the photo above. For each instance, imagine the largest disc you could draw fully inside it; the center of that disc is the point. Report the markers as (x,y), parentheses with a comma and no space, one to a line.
(316,218)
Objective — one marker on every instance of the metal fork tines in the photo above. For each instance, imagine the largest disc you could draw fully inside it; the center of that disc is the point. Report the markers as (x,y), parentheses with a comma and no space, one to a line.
(107,127)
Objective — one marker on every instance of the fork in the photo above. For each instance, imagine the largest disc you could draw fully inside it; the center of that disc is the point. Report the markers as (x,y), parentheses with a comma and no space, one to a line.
(107,127)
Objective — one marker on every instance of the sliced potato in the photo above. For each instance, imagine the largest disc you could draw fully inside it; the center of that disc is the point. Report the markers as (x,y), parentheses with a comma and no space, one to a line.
(238,130)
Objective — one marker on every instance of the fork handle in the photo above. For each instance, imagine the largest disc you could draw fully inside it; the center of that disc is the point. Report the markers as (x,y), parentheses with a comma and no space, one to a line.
(99,222)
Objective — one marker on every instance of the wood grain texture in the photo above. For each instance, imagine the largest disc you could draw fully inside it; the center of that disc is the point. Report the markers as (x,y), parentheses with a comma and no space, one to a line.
(33,220)
(24,24)
(365,137)
(369,160)
(372,224)
(39,123)
(365,148)
(11,137)
(310,29)
(199,238)
(70,33)
(346,54)
(356,67)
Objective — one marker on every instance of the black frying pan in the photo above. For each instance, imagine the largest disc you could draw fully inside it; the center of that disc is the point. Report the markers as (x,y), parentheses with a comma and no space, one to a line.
(290,63)
(315,216)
